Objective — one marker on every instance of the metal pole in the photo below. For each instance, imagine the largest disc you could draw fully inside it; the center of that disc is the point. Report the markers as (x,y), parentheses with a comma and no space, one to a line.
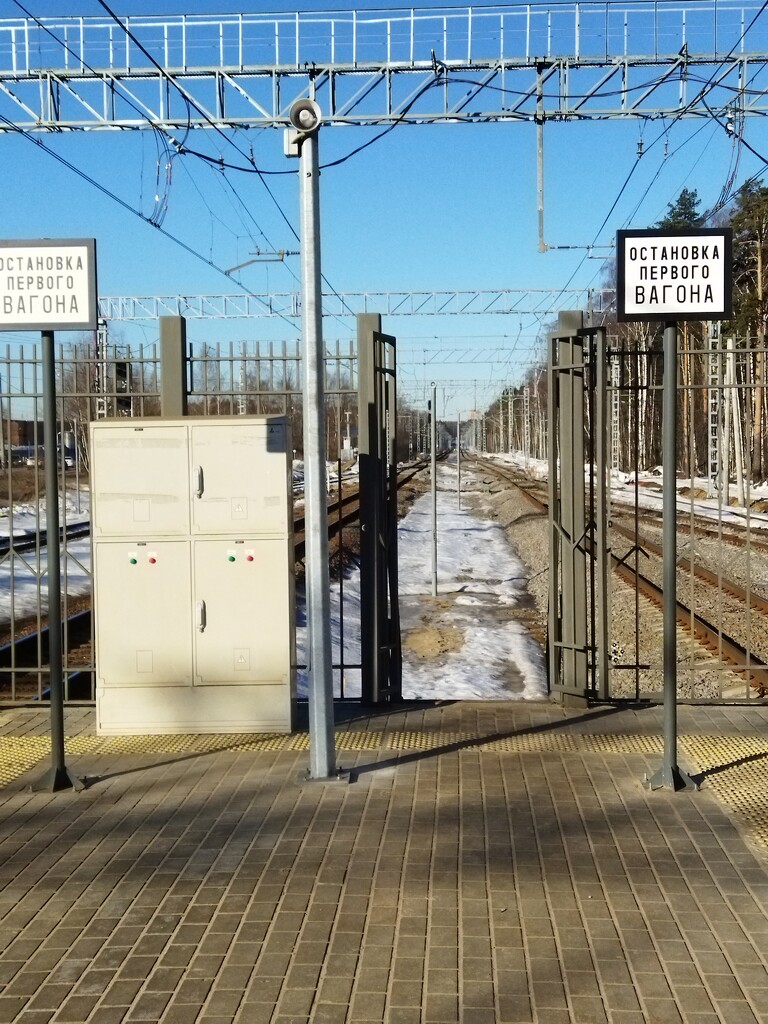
(322,750)
(599,343)
(458,459)
(58,777)
(434,489)
(670,776)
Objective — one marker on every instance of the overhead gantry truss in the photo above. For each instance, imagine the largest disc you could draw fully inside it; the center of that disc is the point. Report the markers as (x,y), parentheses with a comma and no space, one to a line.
(522,301)
(588,60)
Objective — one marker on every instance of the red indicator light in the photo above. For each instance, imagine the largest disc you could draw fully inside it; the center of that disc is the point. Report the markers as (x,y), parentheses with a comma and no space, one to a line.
(249,558)
(152,560)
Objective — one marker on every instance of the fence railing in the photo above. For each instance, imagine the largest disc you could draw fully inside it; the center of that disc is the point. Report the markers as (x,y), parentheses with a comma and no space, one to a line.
(596,29)
(94,380)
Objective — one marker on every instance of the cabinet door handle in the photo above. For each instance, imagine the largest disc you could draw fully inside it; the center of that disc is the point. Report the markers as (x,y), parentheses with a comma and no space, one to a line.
(201,618)
(200,484)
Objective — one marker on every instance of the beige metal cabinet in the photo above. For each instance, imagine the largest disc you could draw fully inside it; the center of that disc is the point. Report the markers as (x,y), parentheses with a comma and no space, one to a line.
(193,575)
(240,594)
(143,630)
(239,486)
(139,478)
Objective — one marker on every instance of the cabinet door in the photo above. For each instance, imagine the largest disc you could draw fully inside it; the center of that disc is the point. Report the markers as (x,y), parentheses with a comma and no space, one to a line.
(239,478)
(243,589)
(143,634)
(140,477)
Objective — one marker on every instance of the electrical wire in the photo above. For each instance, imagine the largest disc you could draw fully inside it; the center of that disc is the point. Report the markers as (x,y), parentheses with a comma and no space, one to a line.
(700,97)
(203,113)
(213,125)
(182,148)
(252,167)
(430,84)
(189,101)
(130,209)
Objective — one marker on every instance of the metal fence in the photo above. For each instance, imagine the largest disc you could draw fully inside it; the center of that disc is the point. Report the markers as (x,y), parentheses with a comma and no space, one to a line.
(612,560)
(96,379)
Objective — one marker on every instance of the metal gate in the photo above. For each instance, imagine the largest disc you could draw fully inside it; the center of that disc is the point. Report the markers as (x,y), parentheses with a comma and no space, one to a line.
(605,395)
(377,419)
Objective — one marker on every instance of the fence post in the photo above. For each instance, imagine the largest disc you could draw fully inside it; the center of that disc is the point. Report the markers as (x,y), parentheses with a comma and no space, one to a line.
(173,367)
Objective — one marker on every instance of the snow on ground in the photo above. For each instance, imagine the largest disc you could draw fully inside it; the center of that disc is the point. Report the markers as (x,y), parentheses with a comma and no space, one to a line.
(646,489)
(24,573)
(464,643)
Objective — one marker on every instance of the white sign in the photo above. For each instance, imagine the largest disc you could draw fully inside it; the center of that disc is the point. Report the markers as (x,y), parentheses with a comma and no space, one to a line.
(674,275)
(48,284)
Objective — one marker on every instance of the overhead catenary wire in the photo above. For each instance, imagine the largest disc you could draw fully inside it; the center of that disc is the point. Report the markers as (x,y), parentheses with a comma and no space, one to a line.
(403,114)
(182,148)
(131,209)
(708,83)
(213,125)
(179,146)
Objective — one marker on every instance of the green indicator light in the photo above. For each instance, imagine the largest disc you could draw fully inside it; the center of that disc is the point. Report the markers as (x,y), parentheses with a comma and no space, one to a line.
(231,558)
(133,561)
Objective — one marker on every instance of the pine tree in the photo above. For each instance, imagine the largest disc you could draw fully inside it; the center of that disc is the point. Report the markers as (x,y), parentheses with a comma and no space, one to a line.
(749,222)
(683,213)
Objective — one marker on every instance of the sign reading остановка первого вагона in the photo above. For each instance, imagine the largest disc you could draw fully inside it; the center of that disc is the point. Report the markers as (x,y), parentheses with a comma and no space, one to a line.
(674,275)
(48,284)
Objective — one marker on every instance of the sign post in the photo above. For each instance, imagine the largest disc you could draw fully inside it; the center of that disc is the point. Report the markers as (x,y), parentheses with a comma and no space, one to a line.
(669,276)
(49,284)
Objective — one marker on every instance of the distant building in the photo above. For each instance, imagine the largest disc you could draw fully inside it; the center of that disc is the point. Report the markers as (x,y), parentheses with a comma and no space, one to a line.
(23,433)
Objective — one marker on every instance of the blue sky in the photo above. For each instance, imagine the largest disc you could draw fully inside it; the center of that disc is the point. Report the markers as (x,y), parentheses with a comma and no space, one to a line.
(425,207)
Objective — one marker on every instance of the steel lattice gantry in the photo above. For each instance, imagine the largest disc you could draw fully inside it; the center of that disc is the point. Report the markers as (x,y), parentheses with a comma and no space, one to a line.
(588,60)
(522,301)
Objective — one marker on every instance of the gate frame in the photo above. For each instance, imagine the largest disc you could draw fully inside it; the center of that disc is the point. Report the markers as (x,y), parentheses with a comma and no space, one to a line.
(380,643)
(577,656)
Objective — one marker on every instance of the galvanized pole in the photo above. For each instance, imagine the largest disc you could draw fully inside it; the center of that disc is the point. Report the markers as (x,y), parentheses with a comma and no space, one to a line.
(510,421)
(458,459)
(670,775)
(322,750)
(434,489)
(599,343)
(58,776)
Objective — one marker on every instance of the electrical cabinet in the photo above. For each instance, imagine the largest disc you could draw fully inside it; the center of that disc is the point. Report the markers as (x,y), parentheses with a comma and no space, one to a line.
(192,532)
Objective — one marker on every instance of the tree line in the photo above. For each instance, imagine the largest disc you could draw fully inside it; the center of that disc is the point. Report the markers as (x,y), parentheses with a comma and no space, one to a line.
(722,367)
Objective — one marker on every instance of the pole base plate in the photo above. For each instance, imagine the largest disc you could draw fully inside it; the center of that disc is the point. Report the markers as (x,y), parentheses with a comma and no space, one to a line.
(338,775)
(56,779)
(670,777)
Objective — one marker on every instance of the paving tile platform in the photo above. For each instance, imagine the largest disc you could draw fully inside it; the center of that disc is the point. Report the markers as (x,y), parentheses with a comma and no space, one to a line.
(485,862)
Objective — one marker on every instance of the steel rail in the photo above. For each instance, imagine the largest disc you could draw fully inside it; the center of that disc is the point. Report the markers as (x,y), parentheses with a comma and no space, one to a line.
(699,571)
(25,654)
(734,539)
(711,637)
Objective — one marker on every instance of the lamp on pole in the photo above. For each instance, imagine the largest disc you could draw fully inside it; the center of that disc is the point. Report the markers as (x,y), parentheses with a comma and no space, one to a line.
(301,141)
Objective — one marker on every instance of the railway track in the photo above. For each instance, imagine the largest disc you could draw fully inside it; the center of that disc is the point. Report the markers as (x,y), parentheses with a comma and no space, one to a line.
(22,657)
(729,650)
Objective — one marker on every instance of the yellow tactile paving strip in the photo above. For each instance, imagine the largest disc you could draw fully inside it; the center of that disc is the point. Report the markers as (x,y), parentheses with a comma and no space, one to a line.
(735,769)
(735,766)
